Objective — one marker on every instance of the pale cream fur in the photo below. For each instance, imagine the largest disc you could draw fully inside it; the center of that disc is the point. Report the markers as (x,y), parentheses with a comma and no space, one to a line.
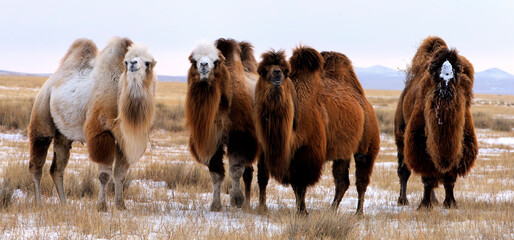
(138,85)
(84,101)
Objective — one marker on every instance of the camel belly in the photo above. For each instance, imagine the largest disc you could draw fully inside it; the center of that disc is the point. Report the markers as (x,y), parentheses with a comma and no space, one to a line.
(68,106)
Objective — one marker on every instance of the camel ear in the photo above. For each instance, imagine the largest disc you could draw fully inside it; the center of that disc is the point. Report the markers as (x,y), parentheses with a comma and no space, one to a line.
(261,70)
(221,57)
(192,60)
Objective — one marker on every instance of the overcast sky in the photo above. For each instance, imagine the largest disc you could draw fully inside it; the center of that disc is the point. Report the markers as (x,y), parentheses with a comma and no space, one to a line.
(34,35)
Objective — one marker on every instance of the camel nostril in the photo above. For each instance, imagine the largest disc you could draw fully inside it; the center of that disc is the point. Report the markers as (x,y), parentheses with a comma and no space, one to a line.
(204,64)
(276,71)
(133,62)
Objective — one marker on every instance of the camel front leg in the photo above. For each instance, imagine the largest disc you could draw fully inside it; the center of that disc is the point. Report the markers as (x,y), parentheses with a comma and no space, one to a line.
(299,192)
(236,169)
(217,172)
(121,167)
(104,175)
(262,180)
(247,179)
(449,184)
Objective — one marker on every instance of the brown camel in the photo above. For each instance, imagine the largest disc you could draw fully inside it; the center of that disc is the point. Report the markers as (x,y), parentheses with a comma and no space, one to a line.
(434,129)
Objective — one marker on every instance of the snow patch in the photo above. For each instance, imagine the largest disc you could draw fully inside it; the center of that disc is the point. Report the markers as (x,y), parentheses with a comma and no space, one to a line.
(501,140)
(446,71)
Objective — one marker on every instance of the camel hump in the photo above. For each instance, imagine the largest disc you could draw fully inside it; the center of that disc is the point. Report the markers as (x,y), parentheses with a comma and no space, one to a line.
(118,46)
(80,54)
(431,44)
(305,59)
(339,67)
(229,48)
(247,57)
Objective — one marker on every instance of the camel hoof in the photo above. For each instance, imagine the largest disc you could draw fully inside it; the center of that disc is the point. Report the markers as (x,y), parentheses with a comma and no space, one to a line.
(449,204)
(120,205)
(215,207)
(402,201)
(262,209)
(102,207)
(302,213)
(424,206)
(359,212)
(236,199)
(246,206)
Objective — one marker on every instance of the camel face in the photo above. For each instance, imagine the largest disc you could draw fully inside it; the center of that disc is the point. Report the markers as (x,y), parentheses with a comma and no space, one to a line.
(204,59)
(138,62)
(274,67)
(445,74)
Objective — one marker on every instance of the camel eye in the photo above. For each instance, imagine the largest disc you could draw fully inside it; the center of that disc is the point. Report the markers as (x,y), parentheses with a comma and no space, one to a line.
(193,62)
(286,71)
(216,63)
(147,64)
(126,63)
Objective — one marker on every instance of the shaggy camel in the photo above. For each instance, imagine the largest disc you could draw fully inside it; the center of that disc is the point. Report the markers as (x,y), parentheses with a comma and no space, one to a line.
(434,129)
(97,99)
(317,113)
(219,114)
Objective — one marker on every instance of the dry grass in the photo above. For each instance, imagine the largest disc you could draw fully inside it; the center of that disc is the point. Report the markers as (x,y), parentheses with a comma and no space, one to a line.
(168,194)
(169,118)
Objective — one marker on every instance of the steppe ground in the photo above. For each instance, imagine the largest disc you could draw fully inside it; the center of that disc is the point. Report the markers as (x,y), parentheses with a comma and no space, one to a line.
(168,193)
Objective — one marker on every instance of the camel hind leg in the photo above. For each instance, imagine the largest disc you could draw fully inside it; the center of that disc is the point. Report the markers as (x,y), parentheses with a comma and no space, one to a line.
(62,146)
(363,168)
(340,171)
(38,150)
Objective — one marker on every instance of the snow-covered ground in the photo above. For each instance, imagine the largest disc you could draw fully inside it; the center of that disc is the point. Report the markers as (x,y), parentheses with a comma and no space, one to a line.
(182,209)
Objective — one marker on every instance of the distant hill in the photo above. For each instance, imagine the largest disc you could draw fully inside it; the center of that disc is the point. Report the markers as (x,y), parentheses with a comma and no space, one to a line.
(2,72)
(490,81)
(165,78)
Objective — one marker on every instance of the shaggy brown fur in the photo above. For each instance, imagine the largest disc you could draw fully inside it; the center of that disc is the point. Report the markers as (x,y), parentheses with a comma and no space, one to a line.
(219,113)
(431,111)
(334,121)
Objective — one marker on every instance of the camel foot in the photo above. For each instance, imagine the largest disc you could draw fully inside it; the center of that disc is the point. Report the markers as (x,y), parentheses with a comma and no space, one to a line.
(403,201)
(215,207)
(236,198)
(102,207)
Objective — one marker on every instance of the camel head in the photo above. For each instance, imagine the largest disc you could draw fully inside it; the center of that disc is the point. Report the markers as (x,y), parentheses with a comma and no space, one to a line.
(445,70)
(274,67)
(205,60)
(138,62)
